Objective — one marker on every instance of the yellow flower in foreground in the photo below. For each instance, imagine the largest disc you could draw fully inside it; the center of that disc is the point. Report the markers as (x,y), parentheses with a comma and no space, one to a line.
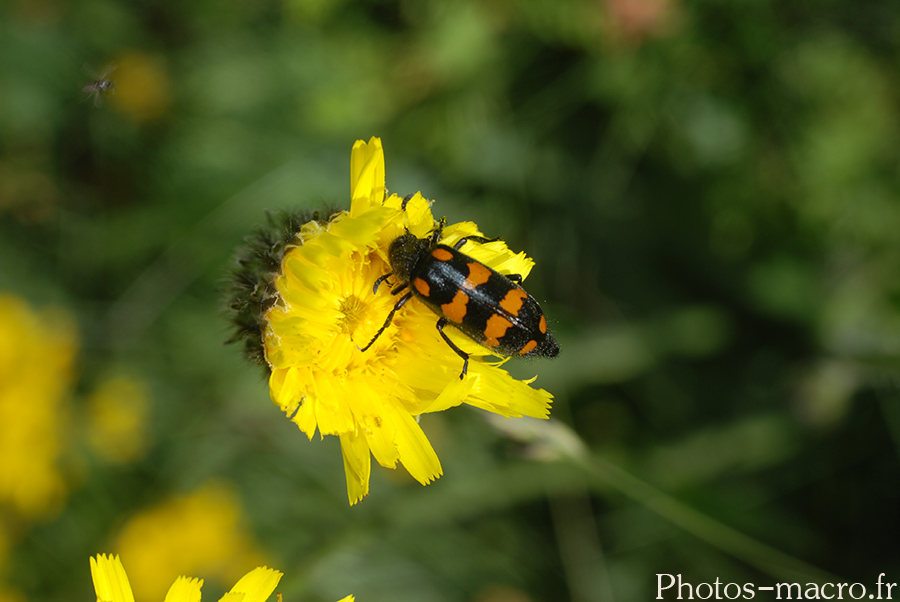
(111,584)
(201,532)
(320,310)
(36,356)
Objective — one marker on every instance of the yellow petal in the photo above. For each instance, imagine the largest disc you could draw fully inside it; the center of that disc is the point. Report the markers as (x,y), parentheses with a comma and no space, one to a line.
(416,453)
(185,589)
(417,218)
(366,175)
(364,228)
(110,580)
(498,392)
(281,391)
(454,394)
(255,586)
(357,465)
(330,396)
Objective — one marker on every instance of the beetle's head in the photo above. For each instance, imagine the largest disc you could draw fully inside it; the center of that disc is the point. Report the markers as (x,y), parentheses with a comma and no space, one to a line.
(404,253)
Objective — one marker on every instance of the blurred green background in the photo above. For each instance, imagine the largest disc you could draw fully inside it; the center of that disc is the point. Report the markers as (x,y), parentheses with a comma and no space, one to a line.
(709,189)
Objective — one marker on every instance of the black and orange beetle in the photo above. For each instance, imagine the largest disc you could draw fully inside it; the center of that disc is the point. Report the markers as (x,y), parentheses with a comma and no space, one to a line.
(488,307)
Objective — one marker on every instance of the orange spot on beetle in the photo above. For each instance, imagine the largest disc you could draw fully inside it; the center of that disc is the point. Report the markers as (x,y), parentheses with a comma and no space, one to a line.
(528,347)
(496,327)
(512,302)
(422,287)
(478,274)
(442,254)
(455,311)
(542,325)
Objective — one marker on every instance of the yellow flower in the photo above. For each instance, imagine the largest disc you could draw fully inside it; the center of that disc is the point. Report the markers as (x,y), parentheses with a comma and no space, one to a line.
(201,532)
(117,412)
(8,594)
(36,355)
(143,88)
(320,310)
(111,584)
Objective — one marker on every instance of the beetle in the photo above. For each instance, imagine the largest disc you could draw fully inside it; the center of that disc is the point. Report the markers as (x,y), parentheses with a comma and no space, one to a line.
(488,307)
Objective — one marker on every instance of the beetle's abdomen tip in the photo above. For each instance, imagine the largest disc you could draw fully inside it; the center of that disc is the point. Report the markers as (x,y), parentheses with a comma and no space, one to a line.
(548,348)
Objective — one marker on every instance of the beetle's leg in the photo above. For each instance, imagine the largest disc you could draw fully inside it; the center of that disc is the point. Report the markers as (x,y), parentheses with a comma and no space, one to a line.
(380,280)
(390,317)
(478,239)
(438,232)
(517,278)
(465,356)
(406,200)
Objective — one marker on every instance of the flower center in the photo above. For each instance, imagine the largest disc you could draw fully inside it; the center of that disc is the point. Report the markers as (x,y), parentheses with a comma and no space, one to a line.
(351,308)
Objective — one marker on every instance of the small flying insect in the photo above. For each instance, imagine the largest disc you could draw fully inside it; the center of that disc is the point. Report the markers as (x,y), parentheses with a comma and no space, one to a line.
(100,86)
